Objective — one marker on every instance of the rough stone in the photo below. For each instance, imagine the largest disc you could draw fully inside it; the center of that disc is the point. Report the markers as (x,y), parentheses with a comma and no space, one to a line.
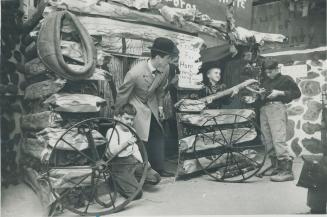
(313,111)
(297,149)
(310,128)
(298,124)
(296,110)
(290,129)
(312,75)
(324,87)
(43,89)
(313,145)
(310,88)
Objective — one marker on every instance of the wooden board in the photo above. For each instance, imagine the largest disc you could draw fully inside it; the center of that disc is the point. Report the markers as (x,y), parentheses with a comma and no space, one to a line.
(39,121)
(217,116)
(50,136)
(103,26)
(215,139)
(120,12)
(43,89)
(35,67)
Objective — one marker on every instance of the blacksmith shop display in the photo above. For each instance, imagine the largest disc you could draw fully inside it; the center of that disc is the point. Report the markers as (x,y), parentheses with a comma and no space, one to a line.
(73,57)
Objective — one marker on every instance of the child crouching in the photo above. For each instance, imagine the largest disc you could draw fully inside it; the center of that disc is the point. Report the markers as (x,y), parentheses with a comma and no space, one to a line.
(127,167)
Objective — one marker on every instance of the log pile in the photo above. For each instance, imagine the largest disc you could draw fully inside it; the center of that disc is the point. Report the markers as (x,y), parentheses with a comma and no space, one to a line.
(53,102)
(10,92)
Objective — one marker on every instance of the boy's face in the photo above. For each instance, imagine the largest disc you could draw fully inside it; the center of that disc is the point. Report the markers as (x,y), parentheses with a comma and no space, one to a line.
(214,74)
(127,119)
(272,73)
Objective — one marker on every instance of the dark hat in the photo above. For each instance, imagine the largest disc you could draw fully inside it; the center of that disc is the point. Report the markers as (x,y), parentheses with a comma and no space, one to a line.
(270,64)
(165,45)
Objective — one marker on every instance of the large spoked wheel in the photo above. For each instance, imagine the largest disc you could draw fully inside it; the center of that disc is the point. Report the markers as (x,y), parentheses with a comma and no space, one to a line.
(83,179)
(232,152)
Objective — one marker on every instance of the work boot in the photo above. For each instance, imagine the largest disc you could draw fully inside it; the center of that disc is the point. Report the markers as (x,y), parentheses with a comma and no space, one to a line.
(285,173)
(274,168)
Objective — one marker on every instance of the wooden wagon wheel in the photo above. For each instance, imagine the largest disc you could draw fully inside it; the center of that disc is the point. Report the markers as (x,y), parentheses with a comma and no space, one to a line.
(230,152)
(89,187)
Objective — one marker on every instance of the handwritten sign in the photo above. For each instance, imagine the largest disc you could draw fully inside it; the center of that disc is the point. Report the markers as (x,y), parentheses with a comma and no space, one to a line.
(216,9)
(189,66)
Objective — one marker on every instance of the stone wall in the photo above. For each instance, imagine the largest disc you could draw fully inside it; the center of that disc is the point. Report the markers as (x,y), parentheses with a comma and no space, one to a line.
(304,114)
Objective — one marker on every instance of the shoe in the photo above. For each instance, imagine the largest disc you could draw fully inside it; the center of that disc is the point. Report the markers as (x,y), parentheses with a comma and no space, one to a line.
(164,173)
(285,173)
(274,167)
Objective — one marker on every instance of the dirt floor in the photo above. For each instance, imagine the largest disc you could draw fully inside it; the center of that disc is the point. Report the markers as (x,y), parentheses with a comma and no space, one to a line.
(196,196)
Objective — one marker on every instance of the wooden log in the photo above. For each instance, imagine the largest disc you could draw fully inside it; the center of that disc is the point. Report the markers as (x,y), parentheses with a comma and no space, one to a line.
(212,140)
(41,120)
(35,18)
(123,13)
(40,187)
(33,147)
(43,89)
(186,105)
(113,28)
(217,116)
(50,136)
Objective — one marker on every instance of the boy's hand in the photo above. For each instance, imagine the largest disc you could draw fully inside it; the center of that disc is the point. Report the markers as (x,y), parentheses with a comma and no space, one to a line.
(235,92)
(161,113)
(131,141)
(275,93)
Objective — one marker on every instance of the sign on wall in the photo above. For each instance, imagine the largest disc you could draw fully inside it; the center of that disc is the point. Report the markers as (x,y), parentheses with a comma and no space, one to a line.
(216,9)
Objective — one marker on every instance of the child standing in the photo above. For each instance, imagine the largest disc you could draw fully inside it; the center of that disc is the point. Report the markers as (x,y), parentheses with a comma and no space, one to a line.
(127,167)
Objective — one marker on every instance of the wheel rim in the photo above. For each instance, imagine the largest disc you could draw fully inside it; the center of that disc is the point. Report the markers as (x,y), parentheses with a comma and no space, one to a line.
(92,190)
(231,152)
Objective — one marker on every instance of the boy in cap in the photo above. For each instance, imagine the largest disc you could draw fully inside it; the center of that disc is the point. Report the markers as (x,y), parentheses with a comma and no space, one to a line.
(278,90)
(144,88)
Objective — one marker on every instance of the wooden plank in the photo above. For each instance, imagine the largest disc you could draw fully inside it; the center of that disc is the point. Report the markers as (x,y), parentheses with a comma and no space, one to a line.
(215,139)
(113,28)
(41,120)
(43,89)
(120,12)
(35,67)
(218,116)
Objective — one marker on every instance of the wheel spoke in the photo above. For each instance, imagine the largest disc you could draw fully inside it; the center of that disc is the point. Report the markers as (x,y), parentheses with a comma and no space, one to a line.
(237,165)
(226,167)
(226,143)
(91,198)
(107,147)
(249,159)
(215,140)
(212,162)
(79,152)
(235,142)
(111,197)
(231,136)
(70,189)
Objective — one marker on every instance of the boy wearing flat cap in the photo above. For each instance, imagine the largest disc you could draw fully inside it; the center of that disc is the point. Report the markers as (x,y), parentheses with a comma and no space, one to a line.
(144,88)
(278,90)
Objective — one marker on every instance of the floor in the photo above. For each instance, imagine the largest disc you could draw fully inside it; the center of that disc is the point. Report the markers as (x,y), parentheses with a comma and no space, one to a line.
(196,196)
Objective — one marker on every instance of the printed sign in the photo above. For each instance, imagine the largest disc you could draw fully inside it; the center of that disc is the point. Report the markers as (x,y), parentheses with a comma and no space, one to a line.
(216,9)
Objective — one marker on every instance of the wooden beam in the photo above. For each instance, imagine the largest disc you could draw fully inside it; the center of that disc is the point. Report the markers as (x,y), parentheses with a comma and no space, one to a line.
(123,13)
(107,27)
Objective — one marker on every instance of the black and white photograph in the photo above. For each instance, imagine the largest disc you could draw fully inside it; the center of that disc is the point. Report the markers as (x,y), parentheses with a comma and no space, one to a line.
(163,108)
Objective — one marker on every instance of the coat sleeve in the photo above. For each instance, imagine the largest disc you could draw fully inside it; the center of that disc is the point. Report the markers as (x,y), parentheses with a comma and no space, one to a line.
(125,90)
(292,92)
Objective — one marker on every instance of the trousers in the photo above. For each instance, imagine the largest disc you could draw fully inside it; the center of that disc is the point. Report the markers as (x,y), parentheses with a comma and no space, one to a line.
(127,172)
(273,122)
(155,146)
